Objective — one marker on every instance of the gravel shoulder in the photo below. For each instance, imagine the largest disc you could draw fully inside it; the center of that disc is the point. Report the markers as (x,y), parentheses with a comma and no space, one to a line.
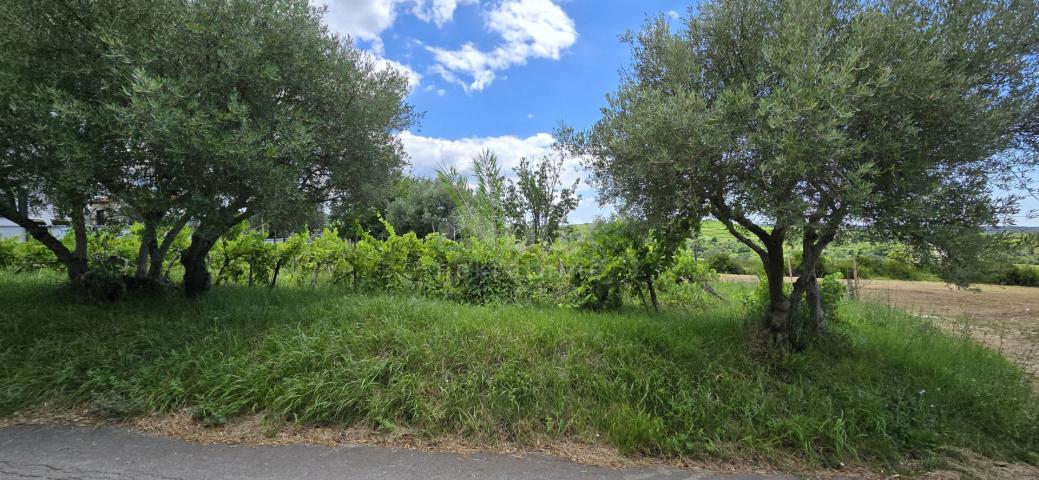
(107,452)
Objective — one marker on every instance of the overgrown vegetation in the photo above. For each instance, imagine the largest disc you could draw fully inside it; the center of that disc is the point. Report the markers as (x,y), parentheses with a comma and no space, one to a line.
(664,385)
(618,263)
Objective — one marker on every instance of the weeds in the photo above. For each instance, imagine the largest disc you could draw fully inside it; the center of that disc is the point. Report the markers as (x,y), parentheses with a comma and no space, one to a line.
(664,385)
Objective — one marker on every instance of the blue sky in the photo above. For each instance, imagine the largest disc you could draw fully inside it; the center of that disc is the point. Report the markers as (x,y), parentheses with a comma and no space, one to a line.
(501,74)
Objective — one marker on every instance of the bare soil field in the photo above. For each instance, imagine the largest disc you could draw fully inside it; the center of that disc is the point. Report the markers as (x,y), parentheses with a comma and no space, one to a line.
(1003,318)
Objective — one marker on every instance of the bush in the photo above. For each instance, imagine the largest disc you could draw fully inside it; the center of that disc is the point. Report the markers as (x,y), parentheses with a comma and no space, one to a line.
(725,263)
(8,252)
(834,292)
(483,278)
(1022,275)
(872,266)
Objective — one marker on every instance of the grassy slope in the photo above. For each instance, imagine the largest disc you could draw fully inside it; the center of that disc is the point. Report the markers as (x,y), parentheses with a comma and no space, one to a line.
(654,384)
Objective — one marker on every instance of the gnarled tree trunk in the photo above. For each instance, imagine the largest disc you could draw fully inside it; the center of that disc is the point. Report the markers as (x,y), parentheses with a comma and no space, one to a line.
(147,249)
(158,255)
(75,261)
(197,279)
(778,315)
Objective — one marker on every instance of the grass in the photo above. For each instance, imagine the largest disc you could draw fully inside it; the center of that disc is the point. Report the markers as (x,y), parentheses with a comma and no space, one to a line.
(693,385)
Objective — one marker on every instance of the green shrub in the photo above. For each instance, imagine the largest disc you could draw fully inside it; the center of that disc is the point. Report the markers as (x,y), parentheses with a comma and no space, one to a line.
(834,293)
(725,263)
(1022,275)
(484,280)
(32,256)
(8,252)
(872,266)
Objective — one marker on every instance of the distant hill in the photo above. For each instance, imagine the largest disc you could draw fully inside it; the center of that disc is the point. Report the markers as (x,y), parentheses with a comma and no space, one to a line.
(1013,229)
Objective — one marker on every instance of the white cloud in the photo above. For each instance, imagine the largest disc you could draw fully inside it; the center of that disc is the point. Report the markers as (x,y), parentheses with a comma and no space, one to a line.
(437,11)
(528,28)
(429,153)
(674,15)
(365,20)
(361,19)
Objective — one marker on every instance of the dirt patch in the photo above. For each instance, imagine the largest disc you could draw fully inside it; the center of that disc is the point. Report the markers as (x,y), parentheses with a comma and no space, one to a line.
(1003,318)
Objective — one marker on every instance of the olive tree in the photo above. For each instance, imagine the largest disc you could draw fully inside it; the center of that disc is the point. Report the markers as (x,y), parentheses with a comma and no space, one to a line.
(209,111)
(790,120)
(274,111)
(75,71)
(423,206)
(48,158)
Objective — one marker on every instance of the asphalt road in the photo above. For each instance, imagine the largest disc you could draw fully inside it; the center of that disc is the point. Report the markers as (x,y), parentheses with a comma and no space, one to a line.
(109,453)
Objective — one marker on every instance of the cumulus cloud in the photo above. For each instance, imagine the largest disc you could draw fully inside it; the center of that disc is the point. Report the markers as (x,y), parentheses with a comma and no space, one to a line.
(528,29)
(365,20)
(436,11)
(360,19)
(429,153)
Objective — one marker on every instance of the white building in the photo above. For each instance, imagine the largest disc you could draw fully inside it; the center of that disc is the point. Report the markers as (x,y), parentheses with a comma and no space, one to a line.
(9,229)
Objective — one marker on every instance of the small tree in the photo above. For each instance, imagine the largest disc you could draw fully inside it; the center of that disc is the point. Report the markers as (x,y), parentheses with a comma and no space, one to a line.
(45,59)
(791,119)
(537,203)
(481,207)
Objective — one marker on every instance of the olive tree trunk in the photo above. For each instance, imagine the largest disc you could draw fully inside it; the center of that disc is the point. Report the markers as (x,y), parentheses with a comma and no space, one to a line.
(147,249)
(158,254)
(75,260)
(779,306)
(197,279)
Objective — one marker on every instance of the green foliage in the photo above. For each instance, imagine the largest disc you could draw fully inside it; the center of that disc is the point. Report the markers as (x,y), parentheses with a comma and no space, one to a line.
(1023,275)
(31,255)
(800,119)
(423,206)
(481,208)
(242,254)
(8,252)
(262,111)
(482,277)
(668,385)
(725,263)
(537,203)
(834,292)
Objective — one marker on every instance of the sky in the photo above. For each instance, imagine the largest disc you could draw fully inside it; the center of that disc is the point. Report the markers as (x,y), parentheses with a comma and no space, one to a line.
(502,74)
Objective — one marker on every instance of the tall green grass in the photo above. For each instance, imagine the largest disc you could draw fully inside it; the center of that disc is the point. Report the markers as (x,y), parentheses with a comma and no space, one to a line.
(889,388)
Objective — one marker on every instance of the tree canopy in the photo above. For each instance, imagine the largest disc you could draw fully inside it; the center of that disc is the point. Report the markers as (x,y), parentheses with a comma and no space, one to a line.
(789,120)
(211,110)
